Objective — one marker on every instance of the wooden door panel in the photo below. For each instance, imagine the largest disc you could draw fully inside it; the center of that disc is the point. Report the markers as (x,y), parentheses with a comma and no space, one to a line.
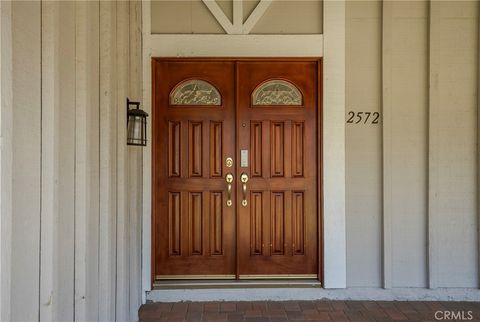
(298,161)
(174,148)
(277,149)
(216,223)
(280,222)
(174,224)
(298,223)
(216,155)
(195,149)
(277,222)
(194,230)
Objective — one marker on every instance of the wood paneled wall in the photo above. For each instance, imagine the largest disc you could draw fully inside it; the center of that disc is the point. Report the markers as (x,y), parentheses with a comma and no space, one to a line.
(412,181)
(71,222)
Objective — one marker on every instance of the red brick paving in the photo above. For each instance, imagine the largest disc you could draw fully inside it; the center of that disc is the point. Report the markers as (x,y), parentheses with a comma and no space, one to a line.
(297,311)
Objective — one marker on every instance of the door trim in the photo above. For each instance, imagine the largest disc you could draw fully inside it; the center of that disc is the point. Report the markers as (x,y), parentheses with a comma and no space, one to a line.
(320,230)
(172,45)
(333,49)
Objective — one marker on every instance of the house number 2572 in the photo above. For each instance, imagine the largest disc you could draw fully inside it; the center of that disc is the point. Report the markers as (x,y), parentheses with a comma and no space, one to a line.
(363,117)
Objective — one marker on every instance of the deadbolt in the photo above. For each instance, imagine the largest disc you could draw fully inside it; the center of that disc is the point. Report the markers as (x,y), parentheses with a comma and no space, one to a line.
(229,162)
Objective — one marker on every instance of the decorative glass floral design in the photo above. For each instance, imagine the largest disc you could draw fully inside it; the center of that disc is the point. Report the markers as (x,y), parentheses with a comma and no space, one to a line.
(195,92)
(277,92)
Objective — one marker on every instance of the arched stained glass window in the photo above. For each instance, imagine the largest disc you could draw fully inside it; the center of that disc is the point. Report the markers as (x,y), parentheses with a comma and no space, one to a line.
(195,92)
(277,92)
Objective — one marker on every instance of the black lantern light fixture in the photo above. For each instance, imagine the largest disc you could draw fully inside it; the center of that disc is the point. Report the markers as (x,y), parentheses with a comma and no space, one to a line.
(136,124)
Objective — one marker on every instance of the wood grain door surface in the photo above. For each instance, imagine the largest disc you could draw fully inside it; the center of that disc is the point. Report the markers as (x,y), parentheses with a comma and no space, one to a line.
(266,122)
(278,226)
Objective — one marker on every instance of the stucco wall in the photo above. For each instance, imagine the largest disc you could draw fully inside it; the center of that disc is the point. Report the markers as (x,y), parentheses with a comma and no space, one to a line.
(70,186)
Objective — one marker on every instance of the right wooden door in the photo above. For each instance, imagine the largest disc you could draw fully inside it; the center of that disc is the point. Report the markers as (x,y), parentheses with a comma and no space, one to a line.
(277,218)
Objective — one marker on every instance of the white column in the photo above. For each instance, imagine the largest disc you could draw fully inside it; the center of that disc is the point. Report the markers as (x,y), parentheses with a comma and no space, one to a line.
(147,190)
(334,144)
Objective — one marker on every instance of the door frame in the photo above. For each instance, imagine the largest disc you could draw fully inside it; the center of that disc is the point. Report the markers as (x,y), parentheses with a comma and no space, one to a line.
(319,158)
(331,46)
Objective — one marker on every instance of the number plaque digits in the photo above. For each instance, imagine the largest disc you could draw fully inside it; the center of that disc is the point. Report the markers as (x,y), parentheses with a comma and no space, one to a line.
(363,117)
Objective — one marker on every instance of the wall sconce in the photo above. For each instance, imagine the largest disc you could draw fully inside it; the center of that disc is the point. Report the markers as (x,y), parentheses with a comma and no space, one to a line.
(136,124)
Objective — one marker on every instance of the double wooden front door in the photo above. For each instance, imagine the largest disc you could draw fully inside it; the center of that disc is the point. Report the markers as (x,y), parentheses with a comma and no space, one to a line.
(235,169)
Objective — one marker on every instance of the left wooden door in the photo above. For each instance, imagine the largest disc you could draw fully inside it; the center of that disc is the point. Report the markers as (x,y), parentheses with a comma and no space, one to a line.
(193,137)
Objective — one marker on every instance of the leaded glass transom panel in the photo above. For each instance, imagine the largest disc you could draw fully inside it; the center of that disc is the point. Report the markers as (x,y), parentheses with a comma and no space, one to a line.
(195,92)
(277,92)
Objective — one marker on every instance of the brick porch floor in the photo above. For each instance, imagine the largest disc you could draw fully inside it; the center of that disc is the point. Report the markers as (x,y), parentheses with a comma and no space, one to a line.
(304,311)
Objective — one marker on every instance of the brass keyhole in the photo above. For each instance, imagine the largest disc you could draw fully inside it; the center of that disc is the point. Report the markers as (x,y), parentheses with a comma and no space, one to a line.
(229,162)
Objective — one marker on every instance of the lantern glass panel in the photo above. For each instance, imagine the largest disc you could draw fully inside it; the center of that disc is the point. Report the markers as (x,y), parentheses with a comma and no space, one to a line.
(136,130)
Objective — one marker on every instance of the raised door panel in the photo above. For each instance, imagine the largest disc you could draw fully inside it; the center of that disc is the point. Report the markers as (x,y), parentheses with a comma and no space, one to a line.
(216,223)
(298,150)
(277,223)
(256,153)
(216,144)
(195,221)
(277,148)
(298,223)
(174,224)
(174,149)
(256,223)
(195,149)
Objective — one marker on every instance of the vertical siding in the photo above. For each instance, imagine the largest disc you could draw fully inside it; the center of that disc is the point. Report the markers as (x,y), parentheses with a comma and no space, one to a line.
(26,173)
(453,234)
(135,160)
(82,167)
(363,144)
(58,115)
(6,158)
(73,67)
(64,229)
(92,149)
(123,268)
(405,122)
(412,187)
(49,162)
(108,156)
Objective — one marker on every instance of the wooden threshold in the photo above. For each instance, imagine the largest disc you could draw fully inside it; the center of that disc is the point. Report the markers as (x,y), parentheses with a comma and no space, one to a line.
(194,277)
(257,283)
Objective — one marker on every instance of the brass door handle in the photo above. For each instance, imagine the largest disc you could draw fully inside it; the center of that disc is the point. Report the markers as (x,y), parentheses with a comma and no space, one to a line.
(244,180)
(229,180)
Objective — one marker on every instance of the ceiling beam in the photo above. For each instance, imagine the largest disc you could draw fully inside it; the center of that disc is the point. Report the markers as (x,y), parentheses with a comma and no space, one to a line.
(218,13)
(238,16)
(255,16)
